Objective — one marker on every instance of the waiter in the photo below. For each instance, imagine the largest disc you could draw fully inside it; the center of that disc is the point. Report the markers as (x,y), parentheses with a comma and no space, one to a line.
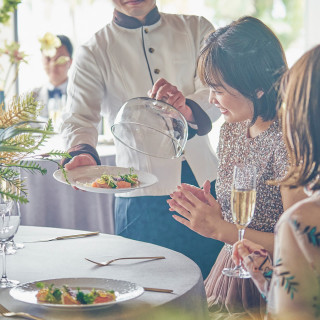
(122,61)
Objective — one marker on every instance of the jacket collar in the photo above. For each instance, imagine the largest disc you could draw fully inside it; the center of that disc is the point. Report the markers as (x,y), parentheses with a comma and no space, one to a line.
(128,22)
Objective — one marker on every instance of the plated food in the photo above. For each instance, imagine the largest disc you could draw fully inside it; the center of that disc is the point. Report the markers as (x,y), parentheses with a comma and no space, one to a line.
(87,178)
(90,287)
(69,296)
(111,181)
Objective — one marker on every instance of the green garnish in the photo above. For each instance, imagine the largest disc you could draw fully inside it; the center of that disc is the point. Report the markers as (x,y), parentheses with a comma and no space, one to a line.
(86,298)
(40,285)
(109,180)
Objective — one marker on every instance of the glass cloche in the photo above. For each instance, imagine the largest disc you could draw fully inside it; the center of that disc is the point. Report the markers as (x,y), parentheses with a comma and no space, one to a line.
(151,127)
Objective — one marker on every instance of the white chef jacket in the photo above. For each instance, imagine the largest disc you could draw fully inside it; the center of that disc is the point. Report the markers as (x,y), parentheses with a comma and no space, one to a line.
(113,67)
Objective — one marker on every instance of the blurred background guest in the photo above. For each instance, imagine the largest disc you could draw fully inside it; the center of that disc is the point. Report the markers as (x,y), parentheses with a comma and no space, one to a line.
(56,59)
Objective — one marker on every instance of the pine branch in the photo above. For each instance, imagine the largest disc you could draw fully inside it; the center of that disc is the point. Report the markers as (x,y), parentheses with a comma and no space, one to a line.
(24,128)
(8,174)
(55,153)
(22,108)
(29,166)
(20,136)
(15,196)
(12,186)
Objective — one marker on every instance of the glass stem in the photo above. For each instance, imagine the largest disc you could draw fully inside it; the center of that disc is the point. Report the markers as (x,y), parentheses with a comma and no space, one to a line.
(240,234)
(240,237)
(4,271)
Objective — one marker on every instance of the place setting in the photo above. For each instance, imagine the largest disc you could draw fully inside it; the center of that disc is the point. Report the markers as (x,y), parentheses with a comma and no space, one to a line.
(75,293)
(63,293)
(79,293)
(138,117)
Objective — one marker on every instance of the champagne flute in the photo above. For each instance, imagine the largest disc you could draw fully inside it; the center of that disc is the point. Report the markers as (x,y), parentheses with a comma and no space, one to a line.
(9,224)
(243,201)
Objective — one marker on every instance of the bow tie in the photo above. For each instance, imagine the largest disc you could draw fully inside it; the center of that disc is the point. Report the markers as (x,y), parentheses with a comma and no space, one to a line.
(56,92)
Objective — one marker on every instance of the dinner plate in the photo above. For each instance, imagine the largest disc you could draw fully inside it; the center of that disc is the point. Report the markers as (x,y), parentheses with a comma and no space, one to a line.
(82,177)
(124,291)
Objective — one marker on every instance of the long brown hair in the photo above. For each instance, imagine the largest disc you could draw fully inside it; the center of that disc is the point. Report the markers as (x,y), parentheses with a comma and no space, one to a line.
(300,111)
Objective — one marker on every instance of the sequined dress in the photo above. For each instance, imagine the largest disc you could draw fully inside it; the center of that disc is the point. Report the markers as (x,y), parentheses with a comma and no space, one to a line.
(240,298)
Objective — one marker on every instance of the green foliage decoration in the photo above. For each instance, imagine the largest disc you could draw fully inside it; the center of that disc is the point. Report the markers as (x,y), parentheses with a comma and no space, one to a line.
(8,7)
(20,137)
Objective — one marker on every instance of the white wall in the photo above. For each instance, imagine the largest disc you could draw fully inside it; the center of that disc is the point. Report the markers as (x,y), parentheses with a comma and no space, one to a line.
(312,23)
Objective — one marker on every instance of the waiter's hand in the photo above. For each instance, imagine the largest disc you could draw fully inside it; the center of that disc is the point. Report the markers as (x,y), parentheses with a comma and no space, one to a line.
(80,160)
(165,91)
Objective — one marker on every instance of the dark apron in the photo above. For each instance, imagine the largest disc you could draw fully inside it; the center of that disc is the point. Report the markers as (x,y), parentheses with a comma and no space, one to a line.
(148,219)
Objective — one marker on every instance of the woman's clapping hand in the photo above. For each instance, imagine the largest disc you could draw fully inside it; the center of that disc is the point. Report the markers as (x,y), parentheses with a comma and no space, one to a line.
(198,210)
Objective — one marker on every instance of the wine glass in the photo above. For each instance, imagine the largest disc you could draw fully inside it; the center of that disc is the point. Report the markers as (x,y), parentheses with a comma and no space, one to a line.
(16,245)
(10,249)
(9,224)
(12,246)
(243,201)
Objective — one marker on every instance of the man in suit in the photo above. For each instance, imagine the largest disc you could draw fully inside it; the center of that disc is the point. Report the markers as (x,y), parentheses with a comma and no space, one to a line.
(53,93)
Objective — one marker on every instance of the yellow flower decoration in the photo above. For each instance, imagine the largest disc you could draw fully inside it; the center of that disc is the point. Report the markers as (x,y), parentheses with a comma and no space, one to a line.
(62,60)
(49,44)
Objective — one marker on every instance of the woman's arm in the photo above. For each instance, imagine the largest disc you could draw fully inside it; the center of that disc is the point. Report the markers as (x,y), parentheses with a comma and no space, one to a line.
(201,213)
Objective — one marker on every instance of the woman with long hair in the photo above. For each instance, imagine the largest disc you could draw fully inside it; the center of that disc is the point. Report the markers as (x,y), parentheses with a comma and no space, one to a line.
(292,283)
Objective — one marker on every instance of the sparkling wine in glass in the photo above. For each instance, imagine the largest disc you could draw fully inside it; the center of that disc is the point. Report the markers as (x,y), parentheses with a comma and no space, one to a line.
(243,201)
(9,224)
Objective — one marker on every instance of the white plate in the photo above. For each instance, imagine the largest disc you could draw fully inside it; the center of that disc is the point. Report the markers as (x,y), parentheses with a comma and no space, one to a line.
(82,177)
(124,291)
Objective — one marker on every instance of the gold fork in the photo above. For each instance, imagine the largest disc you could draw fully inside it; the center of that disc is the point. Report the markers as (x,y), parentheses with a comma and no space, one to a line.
(103,264)
(6,313)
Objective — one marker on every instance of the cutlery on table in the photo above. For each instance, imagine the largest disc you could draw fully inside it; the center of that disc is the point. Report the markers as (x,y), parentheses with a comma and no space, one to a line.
(158,290)
(72,236)
(6,313)
(106,263)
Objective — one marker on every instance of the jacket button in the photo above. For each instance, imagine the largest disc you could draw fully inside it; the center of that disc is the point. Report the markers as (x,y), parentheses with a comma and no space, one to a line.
(146,30)
(156,71)
(151,50)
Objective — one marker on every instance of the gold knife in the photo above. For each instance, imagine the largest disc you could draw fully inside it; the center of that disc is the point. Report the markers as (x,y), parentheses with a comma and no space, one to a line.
(72,236)
(158,290)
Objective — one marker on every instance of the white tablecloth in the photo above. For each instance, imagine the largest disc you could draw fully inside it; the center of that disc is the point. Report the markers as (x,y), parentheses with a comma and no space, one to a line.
(53,204)
(65,259)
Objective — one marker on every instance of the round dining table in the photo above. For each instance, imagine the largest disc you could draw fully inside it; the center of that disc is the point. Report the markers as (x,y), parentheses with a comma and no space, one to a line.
(65,259)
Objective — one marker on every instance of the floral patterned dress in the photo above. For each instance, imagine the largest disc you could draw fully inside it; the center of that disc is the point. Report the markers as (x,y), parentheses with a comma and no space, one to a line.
(292,284)
(232,298)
